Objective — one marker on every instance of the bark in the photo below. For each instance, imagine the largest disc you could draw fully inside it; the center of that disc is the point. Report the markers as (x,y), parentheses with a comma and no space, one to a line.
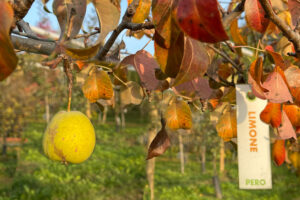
(222,156)
(88,109)
(203,158)
(117,109)
(104,117)
(181,149)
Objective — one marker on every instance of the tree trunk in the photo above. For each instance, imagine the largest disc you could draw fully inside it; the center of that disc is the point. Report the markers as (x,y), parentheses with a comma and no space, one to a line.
(151,164)
(216,181)
(181,153)
(123,120)
(117,108)
(47,108)
(222,157)
(4,146)
(88,109)
(203,158)
(150,170)
(104,117)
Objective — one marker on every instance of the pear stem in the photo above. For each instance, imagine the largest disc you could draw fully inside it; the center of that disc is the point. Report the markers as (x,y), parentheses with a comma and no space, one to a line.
(69,75)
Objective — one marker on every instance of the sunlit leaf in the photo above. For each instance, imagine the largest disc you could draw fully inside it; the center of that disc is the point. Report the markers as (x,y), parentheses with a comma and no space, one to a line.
(286,130)
(160,143)
(8,58)
(82,54)
(70,15)
(278,152)
(142,11)
(97,86)
(255,78)
(292,75)
(293,113)
(194,63)
(278,60)
(201,20)
(132,94)
(166,29)
(256,16)
(226,125)
(170,59)
(272,114)
(178,115)
(238,39)
(278,91)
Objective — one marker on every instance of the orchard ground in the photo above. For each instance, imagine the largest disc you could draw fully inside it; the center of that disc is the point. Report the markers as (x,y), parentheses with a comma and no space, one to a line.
(116,170)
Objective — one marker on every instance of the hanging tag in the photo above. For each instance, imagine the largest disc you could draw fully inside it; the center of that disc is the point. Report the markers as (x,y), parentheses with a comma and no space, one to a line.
(253,141)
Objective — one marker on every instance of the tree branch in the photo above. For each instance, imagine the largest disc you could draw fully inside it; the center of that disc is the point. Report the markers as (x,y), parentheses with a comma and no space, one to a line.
(293,36)
(126,23)
(227,20)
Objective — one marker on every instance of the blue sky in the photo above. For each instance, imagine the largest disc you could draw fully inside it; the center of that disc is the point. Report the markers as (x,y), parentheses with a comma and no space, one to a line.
(36,14)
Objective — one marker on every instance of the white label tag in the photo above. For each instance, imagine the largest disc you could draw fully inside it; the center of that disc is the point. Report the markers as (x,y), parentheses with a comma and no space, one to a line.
(253,142)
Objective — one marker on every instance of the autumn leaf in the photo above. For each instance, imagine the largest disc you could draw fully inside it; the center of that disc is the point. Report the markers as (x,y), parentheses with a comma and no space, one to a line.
(70,15)
(226,126)
(255,16)
(278,91)
(201,20)
(81,54)
(166,29)
(293,113)
(292,75)
(255,77)
(142,11)
(238,39)
(170,59)
(295,159)
(197,88)
(8,58)
(145,66)
(272,114)
(286,130)
(294,8)
(278,152)
(178,115)
(98,86)
(160,143)
(132,94)
(278,60)
(194,63)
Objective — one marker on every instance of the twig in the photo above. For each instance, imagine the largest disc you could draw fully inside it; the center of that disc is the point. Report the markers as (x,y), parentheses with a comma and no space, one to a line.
(87,34)
(227,20)
(26,28)
(126,23)
(227,58)
(294,37)
(31,36)
(69,75)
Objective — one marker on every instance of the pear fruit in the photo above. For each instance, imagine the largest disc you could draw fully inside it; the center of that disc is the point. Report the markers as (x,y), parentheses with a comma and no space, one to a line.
(69,137)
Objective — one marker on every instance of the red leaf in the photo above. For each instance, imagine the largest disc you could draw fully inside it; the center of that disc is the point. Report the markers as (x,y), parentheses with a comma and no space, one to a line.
(145,66)
(278,152)
(8,58)
(197,88)
(278,89)
(160,143)
(255,16)
(294,8)
(278,60)
(194,62)
(286,130)
(201,20)
(255,78)
(292,75)
(272,114)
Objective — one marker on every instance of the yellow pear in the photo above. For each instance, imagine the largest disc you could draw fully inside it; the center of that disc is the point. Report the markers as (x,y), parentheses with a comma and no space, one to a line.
(69,137)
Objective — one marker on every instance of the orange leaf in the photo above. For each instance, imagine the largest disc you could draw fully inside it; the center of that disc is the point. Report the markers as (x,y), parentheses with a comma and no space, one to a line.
(277,58)
(293,113)
(142,11)
(292,75)
(278,152)
(179,115)
(97,86)
(201,20)
(226,125)
(272,114)
(255,77)
(8,58)
(236,35)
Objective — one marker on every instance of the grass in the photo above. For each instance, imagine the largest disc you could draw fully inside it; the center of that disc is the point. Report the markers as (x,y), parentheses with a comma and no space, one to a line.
(116,171)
